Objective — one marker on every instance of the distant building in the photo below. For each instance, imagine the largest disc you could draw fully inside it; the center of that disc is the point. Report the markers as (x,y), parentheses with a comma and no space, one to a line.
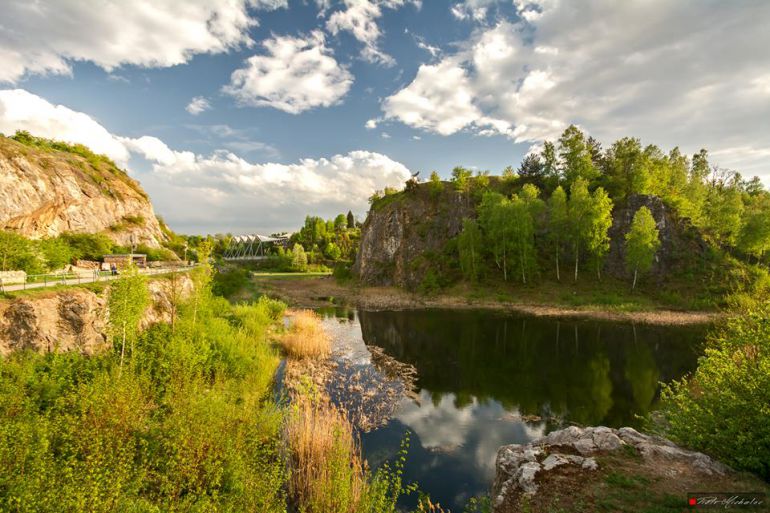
(121,261)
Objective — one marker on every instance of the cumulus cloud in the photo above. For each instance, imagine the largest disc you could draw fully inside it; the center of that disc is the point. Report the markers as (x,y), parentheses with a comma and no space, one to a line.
(221,190)
(295,74)
(46,36)
(674,73)
(360,19)
(22,110)
(197,105)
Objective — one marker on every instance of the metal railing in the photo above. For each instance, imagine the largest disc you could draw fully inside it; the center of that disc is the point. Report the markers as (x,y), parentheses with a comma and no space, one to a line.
(57,279)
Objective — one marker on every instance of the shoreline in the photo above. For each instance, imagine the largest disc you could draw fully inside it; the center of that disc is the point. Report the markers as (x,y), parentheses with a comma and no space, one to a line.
(324,292)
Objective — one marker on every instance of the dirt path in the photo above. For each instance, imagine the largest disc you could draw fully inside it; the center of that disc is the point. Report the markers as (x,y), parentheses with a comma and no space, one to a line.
(313,292)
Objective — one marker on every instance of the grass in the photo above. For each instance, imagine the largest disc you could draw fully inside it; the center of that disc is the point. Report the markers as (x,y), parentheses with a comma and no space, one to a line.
(306,337)
(586,293)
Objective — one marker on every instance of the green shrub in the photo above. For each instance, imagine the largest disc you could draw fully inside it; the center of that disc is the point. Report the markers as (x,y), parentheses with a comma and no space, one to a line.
(723,408)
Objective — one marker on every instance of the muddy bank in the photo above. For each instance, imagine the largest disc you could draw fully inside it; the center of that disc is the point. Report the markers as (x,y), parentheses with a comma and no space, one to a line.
(318,292)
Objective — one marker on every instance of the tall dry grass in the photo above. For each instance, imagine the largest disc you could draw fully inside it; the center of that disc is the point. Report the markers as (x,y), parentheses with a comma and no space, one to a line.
(327,474)
(306,337)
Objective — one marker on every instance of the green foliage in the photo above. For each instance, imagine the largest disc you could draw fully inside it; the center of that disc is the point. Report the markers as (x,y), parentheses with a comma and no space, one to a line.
(298,258)
(597,240)
(184,427)
(558,224)
(88,246)
(754,238)
(461,178)
(575,156)
(435,185)
(57,253)
(642,242)
(228,283)
(128,299)
(17,253)
(469,244)
(722,409)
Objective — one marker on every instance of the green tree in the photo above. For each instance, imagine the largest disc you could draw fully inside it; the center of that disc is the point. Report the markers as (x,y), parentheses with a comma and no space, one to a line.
(575,156)
(469,245)
(597,240)
(754,238)
(723,213)
(435,184)
(298,258)
(351,220)
(332,252)
(558,223)
(340,223)
(642,242)
(88,246)
(627,165)
(492,220)
(15,252)
(520,235)
(579,209)
(56,252)
(461,178)
(128,300)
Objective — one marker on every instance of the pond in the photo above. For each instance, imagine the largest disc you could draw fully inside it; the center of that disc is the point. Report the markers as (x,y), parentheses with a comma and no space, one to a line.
(486,379)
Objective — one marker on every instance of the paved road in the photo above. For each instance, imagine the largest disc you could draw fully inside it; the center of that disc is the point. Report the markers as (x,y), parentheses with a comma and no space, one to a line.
(54,282)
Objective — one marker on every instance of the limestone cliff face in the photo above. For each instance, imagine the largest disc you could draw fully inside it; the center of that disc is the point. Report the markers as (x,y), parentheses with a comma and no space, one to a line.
(402,235)
(76,319)
(406,234)
(45,193)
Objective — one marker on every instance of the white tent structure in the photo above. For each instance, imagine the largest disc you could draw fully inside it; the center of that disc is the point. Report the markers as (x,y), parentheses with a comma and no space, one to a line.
(251,247)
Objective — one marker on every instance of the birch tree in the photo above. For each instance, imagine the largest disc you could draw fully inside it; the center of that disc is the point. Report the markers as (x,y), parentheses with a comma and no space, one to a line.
(642,242)
(558,224)
(127,301)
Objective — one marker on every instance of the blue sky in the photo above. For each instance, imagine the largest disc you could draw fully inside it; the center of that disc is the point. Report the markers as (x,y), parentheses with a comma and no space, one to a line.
(323,112)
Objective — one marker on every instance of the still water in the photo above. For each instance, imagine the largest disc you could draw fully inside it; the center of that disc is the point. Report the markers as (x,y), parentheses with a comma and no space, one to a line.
(486,379)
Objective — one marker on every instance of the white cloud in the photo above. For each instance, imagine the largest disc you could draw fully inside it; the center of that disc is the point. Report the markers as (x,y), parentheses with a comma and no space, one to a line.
(197,105)
(385,135)
(220,190)
(472,9)
(683,73)
(21,110)
(360,19)
(46,36)
(372,124)
(295,74)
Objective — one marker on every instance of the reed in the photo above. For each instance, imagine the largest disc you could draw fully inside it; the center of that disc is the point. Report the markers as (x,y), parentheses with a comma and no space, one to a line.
(306,337)
(327,473)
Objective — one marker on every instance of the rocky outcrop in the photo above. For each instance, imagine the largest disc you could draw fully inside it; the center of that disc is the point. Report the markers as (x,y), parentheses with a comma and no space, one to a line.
(408,233)
(404,235)
(680,242)
(521,469)
(44,193)
(76,319)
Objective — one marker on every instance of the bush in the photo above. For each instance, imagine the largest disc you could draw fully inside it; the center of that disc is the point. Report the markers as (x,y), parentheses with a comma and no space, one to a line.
(724,407)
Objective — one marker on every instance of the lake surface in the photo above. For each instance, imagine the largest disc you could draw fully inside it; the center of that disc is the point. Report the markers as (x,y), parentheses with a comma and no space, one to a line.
(487,379)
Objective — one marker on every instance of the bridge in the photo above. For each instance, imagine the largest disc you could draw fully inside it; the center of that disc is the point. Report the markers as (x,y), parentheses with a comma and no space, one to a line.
(252,247)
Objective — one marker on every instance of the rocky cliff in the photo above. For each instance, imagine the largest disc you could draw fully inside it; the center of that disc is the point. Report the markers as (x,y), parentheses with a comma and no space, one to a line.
(408,233)
(405,233)
(45,192)
(76,319)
